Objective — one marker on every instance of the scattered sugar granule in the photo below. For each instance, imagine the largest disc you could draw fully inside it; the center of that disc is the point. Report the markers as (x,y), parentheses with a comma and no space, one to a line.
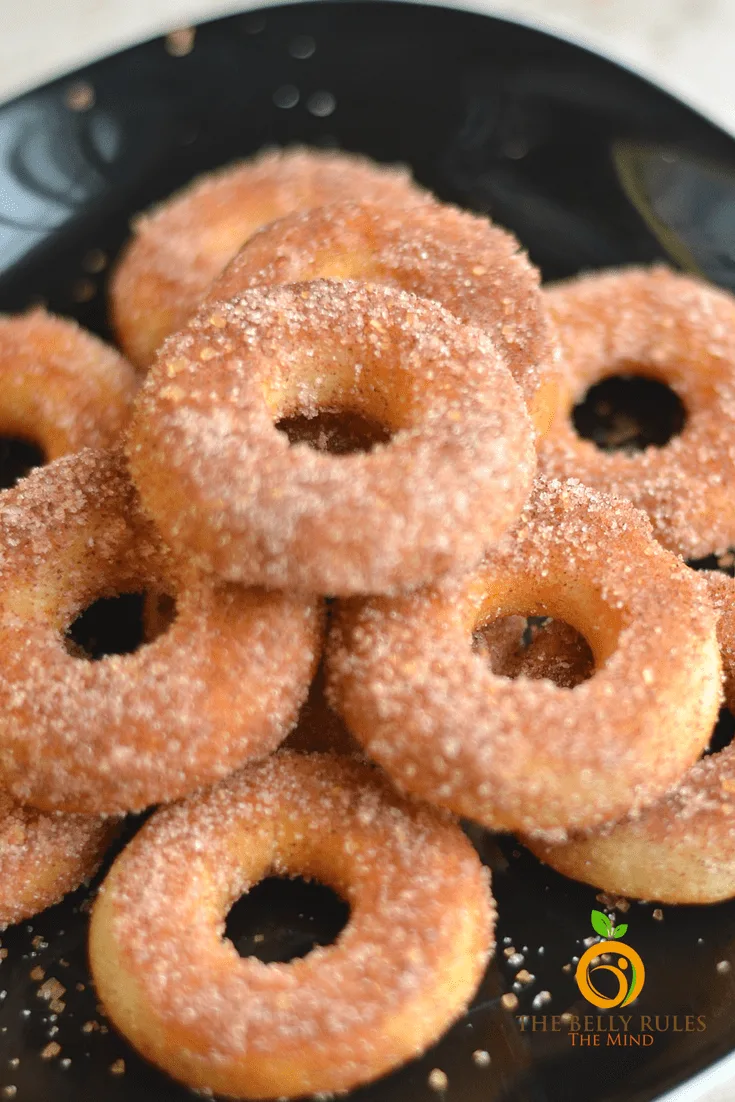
(658,914)
(613,902)
(117,1067)
(10,1091)
(541,999)
(79,96)
(438,1080)
(37,973)
(481,1057)
(509,1001)
(180,42)
(723,967)
(524,976)
(51,990)
(53,1048)
(516,960)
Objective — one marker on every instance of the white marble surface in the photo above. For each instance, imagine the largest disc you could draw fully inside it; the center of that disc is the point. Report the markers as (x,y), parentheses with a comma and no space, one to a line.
(686,45)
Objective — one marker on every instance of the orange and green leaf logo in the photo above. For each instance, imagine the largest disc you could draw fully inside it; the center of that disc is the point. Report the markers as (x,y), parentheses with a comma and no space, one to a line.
(628,970)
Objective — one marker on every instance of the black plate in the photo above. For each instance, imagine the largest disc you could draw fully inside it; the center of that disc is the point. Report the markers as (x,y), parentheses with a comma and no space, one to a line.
(591,166)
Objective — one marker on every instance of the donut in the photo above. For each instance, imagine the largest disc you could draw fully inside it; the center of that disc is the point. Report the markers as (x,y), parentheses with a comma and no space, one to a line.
(526,755)
(61,389)
(180,246)
(682,849)
(223,684)
(403,969)
(44,856)
(225,487)
(475,270)
(676,330)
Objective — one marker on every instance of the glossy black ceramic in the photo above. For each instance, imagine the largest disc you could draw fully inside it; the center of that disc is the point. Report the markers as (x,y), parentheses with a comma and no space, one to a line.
(590,166)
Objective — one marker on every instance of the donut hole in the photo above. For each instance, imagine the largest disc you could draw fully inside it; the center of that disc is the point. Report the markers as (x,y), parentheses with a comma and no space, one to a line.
(537,647)
(18,456)
(339,432)
(723,734)
(629,413)
(345,405)
(281,919)
(119,625)
(724,563)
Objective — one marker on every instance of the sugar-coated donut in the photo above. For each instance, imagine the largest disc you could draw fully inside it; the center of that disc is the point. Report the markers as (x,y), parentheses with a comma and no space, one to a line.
(405,966)
(224,485)
(180,246)
(526,755)
(222,685)
(61,388)
(461,260)
(682,849)
(44,855)
(676,330)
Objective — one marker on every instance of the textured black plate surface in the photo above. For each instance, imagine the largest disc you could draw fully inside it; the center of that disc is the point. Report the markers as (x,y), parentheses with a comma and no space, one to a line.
(590,166)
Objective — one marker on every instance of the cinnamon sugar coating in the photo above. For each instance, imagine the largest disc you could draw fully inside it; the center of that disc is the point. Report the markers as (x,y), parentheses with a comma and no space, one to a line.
(681,332)
(527,755)
(182,244)
(680,850)
(222,685)
(405,966)
(61,387)
(44,855)
(224,485)
(473,268)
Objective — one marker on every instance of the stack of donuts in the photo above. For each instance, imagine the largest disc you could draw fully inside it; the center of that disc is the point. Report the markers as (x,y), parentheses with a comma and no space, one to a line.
(343,471)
